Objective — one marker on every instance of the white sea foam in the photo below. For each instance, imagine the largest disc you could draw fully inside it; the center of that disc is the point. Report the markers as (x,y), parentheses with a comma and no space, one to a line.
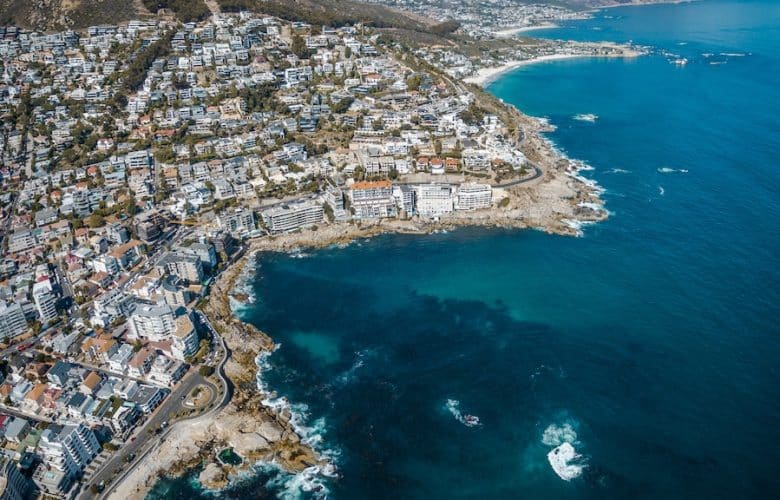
(547,124)
(661,190)
(349,375)
(733,54)
(566,462)
(618,171)
(297,253)
(307,483)
(669,170)
(563,458)
(577,225)
(586,117)
(453,405)
(312,479)
(556,435)
(244,285)
(593,206)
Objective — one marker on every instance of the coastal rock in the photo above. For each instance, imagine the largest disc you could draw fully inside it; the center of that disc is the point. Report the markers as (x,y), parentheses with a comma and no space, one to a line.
(213,477)
(249,443)
(271,431)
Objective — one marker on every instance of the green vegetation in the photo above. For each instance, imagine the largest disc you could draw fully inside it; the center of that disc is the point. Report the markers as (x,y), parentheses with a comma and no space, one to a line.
(135,74)
(51,15)
(186,10)
(444,28)
(327,12)
(472,115)
(206,370)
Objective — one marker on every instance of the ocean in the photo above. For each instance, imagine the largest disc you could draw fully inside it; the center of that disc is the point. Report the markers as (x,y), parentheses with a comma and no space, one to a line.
(640,359)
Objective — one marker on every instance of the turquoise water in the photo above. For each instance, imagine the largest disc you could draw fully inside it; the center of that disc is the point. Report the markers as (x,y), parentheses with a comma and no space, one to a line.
(653,338)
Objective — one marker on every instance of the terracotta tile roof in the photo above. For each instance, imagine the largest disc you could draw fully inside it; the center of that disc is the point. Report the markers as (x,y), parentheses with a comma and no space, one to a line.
(372,185)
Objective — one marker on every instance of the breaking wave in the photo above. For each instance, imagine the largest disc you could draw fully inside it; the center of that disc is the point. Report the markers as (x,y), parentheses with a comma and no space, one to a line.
(312,480)
(244,286)
(586,117)
(577,225)
(566,462)
(555,435)
(563,457)
(669,170)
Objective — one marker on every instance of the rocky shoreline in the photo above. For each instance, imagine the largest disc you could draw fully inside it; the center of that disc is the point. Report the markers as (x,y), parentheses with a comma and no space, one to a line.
(558,201)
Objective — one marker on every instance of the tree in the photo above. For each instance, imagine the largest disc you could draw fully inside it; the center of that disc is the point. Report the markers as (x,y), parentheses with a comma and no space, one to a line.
(298,47)
(95,220)
(206,370)
(328,212)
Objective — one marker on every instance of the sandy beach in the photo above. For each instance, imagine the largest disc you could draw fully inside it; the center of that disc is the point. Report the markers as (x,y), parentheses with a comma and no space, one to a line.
(522,29)
(485,76)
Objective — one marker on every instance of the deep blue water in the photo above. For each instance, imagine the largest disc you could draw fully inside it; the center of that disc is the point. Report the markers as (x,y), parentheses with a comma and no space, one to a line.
(654,337)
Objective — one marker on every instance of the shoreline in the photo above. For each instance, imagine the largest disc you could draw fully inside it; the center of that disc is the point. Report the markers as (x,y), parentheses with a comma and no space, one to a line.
(509,32)
(486,76)
(559,201)
(644,4)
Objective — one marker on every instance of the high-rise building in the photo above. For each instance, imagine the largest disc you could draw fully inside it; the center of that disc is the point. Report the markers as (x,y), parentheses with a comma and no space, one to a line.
(434,200)
(293,216)
(68,448)
(45,301)
(153,322)
(372,200)
(12,322)
(473,196)
(13,485)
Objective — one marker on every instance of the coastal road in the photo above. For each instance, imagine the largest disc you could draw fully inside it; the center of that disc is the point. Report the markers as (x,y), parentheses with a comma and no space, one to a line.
(537,173)
(145,443)
(141,440)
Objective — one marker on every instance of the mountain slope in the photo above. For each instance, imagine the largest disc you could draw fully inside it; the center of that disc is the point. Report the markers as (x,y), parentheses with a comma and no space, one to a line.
(61,14)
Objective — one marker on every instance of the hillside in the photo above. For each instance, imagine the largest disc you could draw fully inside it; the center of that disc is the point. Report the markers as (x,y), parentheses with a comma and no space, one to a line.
(62,14)
(48,15)
(329,12)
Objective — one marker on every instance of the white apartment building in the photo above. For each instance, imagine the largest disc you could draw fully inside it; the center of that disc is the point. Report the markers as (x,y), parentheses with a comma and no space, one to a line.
(473,196)
(434,200)
(372,200)
(153,322)
(45,301)
(185,339)
(68,448)
(12,322)
(293,216)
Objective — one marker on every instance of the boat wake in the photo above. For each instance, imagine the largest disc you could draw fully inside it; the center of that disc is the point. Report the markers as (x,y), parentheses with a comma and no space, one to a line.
(453,405)
(586,117)
(563,457)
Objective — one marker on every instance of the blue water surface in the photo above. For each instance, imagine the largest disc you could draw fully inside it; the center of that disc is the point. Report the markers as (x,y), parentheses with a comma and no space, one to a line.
(654,337)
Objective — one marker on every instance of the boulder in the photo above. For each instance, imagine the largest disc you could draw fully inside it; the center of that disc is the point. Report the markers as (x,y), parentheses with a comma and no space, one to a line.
(213,477)
(249,443)
(270,430)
